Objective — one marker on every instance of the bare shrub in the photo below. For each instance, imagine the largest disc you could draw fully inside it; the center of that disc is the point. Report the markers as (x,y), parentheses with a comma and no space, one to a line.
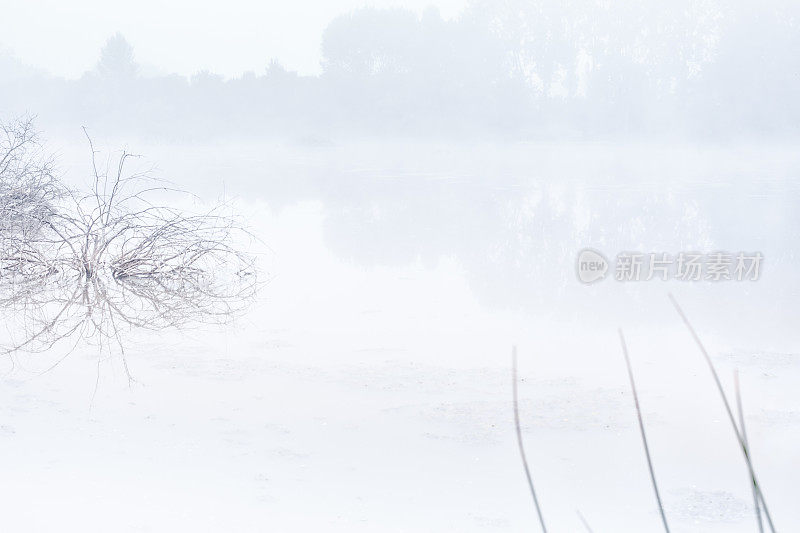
(113,259)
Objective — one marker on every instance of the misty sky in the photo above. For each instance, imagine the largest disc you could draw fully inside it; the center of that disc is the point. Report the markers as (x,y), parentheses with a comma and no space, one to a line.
(181,36)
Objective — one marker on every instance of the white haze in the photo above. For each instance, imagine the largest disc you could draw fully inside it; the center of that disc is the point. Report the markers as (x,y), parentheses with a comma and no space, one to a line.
(420,182)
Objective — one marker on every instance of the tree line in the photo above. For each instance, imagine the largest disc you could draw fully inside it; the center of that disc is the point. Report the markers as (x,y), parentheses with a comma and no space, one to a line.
(511,69)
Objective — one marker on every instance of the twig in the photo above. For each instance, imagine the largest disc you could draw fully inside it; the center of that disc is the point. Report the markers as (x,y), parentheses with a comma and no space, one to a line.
(519,438)
(641,431)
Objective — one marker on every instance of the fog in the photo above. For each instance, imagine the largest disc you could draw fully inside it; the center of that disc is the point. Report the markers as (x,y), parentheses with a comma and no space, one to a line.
(417,181)
(511,70)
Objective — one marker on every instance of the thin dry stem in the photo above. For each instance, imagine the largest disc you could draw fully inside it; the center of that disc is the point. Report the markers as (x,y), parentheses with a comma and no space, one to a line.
(739,438)
(519,439)
(740,412)
(584,522)
(642,432)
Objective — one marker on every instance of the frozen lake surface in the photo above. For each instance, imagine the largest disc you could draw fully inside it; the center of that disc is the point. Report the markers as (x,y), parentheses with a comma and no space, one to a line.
(369,389)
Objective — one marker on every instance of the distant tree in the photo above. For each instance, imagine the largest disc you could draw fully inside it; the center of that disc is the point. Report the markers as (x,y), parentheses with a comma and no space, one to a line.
(11,68)
(561,47)
(371,42)
(276,71)
(753,80)
(206,78)
(116,59)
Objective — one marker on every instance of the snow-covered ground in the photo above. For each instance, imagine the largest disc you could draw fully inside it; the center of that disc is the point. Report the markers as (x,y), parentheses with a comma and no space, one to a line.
(369,389)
